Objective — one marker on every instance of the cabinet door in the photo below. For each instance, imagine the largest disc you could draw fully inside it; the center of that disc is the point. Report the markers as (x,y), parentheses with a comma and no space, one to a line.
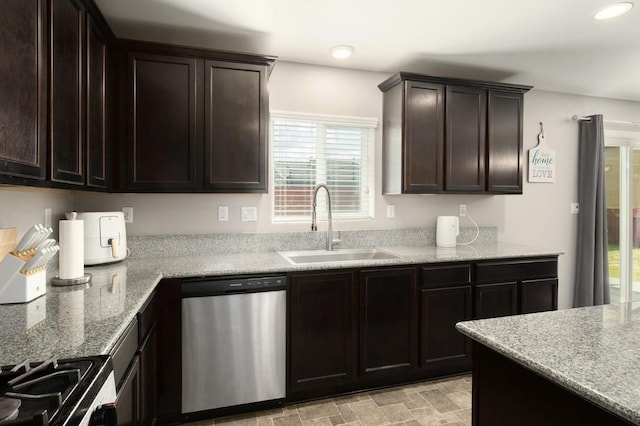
(236,127)
(128,397)
(443,350)
(423,138)
(163,123)
(96,107)
(538,295)
(388,321)
(466,112)
(495,300)
(505,142)
(67,92)
(322,330)
(148,379)
(23,85)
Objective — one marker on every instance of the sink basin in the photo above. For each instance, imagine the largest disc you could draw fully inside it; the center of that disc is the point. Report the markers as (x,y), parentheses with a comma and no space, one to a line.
(345,255)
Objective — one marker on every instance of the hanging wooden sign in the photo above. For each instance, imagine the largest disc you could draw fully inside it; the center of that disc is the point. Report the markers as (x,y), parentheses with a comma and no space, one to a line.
(542,161)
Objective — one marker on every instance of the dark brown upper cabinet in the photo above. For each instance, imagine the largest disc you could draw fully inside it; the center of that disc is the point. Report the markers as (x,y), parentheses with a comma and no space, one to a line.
(23,84)
(162,149)
(66,125)
(96,115)
(236,127)
(505,156)
(413,163)
(197,119)
(53,84)
(78,142)
(443,135)
(466,118)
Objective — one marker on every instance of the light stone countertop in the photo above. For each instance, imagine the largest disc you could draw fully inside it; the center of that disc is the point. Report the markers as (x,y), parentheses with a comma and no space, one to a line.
(593,352)
(87,320)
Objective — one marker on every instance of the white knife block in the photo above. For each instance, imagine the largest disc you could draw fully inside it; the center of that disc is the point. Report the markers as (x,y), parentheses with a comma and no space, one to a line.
(16,287)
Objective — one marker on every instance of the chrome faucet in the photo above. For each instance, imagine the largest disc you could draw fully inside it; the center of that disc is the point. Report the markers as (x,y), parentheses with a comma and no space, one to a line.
(314,227)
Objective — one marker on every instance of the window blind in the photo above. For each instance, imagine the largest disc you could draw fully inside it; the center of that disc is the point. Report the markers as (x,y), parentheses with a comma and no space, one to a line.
(312,149)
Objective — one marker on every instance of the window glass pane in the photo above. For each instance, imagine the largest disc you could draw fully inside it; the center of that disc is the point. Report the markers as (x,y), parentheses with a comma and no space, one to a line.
(612,185)
(635,215)
(306,153)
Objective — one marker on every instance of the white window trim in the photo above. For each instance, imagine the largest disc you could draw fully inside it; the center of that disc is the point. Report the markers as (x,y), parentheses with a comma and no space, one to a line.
(340,120)
(329,119)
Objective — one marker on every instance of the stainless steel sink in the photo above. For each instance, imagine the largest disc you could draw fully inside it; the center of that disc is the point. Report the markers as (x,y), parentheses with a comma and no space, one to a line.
(344,255)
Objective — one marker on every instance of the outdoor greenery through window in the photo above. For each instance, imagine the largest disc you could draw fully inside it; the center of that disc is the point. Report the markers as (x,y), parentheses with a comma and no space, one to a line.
(312,149)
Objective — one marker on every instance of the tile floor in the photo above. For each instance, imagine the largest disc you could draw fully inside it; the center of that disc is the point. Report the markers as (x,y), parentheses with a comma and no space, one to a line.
(437,402)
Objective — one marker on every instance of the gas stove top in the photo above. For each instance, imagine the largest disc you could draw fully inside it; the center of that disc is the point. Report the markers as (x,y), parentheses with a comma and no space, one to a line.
(55,392)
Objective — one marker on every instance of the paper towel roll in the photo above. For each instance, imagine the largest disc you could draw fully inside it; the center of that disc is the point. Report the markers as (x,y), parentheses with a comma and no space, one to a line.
(71,255)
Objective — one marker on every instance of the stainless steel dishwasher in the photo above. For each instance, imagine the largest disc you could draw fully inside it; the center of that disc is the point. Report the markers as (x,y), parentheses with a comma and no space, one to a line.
(233,342)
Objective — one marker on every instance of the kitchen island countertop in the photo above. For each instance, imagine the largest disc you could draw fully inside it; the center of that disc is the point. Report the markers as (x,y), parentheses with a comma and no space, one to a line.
(87,320)
(592,352)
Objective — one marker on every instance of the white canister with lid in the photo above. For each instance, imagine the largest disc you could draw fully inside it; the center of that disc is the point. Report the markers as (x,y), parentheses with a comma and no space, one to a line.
(447,231)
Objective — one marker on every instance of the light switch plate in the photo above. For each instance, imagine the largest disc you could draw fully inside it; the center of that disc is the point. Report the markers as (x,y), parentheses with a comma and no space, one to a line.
(128,214)
(223,213)
(391,211)
(575,208)
(249,214)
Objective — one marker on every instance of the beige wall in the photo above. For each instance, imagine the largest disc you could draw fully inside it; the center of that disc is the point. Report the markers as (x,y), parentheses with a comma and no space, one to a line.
(21,207)
(539,217)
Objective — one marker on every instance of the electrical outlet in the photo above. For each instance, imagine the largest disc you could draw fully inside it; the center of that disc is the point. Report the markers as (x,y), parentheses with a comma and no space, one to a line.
(249,214)
(575,208)
(463,210)
(128,214)
(391,211)
(223,213)
(47,218)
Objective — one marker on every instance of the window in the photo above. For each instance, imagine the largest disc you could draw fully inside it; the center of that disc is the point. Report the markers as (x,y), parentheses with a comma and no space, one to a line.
(312,149)
(622,183)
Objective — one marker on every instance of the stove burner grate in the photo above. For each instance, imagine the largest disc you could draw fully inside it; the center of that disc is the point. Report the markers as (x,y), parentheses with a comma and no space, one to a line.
(39,391)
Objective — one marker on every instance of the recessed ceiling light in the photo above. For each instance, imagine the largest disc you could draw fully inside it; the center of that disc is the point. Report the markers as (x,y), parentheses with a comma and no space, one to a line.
(612,11)
(341,52)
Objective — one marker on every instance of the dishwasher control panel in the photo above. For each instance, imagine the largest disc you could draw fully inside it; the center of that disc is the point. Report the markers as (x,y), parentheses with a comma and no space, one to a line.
(200,287)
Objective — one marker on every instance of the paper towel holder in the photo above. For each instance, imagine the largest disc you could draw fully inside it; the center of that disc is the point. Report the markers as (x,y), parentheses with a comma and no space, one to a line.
(62,282)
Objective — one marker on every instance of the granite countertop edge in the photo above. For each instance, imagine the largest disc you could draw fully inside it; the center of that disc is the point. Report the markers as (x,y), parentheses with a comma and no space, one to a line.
(57,334)
(547,372)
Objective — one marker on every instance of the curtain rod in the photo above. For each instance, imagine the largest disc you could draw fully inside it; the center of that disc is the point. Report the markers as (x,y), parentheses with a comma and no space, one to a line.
(628,124)
(581,118)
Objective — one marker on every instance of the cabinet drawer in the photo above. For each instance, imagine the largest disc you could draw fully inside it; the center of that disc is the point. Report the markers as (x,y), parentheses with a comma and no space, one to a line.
(146,318)
(124,351)
(442,276)
(515,270)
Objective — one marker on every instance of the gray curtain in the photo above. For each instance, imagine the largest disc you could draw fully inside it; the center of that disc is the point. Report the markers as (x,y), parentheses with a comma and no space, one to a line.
(592,269)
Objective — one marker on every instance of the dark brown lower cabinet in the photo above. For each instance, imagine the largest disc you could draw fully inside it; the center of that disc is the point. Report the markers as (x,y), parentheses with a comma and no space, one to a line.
(388,321)
(128,396)
(323,327)
(495,300)
(443,350)
(134,367)
(538,295)
(147,355)
(355,329)
(515,286)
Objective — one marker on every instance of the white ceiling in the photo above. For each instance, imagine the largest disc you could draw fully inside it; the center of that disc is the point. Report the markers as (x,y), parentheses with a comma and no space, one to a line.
(550,44)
